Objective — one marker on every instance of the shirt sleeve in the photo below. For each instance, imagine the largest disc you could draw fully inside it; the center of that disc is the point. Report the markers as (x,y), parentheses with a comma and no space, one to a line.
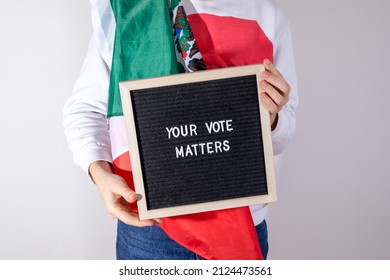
(284,62)
(84,114)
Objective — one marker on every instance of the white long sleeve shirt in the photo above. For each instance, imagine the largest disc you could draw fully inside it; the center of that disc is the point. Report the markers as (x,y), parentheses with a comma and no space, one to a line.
(91,136)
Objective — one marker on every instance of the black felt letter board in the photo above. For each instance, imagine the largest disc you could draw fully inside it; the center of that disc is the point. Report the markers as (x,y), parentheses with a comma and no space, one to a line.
(199,141)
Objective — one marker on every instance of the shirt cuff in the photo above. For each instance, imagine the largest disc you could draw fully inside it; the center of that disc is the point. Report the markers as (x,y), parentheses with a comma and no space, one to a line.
(94,154)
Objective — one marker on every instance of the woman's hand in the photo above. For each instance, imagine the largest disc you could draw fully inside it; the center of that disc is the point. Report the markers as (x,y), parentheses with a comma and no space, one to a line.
(116,194)
(275,91)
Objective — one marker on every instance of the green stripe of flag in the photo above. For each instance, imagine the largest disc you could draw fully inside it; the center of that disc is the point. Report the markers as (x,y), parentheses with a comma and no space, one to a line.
(143,46)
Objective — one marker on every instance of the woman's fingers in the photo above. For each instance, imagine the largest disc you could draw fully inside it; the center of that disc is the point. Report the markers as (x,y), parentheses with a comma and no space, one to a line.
(122,189)
(117,197)
(121,210)
(275,78)
(116,194)
(273,94)
(275,89)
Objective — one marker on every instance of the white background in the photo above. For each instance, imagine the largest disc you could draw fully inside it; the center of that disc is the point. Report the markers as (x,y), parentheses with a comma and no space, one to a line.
(333,179)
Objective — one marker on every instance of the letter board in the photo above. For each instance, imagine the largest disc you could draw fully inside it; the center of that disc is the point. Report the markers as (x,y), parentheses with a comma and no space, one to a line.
(199,141)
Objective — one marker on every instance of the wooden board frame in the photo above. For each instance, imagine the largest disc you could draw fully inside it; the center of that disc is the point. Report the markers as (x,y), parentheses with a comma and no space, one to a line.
(202,76)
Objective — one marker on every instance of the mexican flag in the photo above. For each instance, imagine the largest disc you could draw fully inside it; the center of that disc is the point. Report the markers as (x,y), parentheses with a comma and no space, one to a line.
(144,47)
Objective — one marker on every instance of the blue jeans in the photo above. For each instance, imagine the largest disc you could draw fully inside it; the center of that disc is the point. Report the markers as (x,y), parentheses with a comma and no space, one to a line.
(151,243)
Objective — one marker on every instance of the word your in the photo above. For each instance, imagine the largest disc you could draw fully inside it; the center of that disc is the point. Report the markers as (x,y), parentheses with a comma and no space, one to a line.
(196,149)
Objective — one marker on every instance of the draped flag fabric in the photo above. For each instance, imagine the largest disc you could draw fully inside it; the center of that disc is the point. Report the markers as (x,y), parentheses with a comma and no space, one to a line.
(144,47)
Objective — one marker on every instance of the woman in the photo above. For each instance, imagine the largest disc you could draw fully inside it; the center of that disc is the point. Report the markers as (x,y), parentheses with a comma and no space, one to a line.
(129,36)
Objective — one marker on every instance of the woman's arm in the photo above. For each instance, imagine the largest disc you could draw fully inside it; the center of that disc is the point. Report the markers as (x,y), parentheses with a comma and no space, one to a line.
(279,90)
(87,133)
